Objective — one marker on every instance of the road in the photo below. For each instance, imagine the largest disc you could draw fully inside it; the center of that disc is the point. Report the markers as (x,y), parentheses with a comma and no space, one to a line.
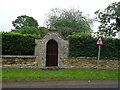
(60,83)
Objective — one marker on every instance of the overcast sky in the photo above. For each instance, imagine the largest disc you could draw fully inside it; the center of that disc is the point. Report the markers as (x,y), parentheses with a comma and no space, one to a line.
(11,9)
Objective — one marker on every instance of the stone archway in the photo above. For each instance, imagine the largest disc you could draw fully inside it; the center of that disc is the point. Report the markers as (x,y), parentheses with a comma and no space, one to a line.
(52,53)
(43,57)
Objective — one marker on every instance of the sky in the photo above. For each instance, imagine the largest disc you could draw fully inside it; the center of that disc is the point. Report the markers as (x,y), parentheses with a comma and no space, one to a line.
(38,9)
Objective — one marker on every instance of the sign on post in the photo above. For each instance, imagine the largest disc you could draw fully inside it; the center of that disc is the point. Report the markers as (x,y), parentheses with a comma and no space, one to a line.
(99,42)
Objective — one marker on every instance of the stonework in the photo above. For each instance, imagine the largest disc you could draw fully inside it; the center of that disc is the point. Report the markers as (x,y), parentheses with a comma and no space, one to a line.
(77,62)
(16,61)
(89,62)
(41,43)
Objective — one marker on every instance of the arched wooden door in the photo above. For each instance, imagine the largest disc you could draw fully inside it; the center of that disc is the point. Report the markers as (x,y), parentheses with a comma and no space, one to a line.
(52,53)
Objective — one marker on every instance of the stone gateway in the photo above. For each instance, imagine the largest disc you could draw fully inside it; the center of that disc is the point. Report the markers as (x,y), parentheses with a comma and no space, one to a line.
(51,50)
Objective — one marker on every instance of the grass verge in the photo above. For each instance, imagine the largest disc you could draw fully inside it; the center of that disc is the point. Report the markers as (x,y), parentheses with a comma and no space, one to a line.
(73,73)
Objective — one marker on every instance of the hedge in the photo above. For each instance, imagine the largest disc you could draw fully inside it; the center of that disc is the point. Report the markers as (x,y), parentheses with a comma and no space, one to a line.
(17,44)
(86,47)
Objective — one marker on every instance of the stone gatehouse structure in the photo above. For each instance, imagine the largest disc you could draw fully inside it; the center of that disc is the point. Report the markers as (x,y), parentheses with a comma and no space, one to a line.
(51,50)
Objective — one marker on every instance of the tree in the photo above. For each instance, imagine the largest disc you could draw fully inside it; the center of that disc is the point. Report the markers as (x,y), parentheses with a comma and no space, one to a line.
(39,32)
(24,20)
(28,30)
(109,20)
(43,30)
(68,21)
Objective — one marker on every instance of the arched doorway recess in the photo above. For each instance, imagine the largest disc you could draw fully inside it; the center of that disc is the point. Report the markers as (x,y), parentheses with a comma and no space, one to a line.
(52,53)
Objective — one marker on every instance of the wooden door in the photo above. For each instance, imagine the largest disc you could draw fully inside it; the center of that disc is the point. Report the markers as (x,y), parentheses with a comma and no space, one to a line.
(52,53)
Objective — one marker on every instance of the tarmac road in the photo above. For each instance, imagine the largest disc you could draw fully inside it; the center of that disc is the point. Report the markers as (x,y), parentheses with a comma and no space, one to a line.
(60,83)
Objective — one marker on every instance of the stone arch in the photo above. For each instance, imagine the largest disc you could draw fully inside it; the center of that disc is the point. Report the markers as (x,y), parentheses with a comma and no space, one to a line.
(41,49)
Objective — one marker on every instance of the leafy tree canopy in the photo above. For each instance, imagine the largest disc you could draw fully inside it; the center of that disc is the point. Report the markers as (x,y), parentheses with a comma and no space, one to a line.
(39,32)
(81,34)
(24,20)
(28,30)
(43,30)
(68,21)
(109,20)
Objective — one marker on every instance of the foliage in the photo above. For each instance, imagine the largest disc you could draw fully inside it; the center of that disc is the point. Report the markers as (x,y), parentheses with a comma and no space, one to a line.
(43,30)
(28,30)
(109,20)
(86,46)
(28,25)
(80,34)
(71,73)
(24,20)
(68,21)
(17,44)
(80,45)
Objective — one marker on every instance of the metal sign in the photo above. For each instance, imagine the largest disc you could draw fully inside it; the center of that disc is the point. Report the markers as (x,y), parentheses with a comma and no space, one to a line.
(99,42)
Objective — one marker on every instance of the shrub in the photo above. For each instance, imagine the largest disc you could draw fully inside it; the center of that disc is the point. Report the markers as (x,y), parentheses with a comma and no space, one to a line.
(17,44)
(86,47)
(23,44)
(28,30)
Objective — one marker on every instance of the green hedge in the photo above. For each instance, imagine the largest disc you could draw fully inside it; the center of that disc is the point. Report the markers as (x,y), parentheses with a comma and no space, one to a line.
(86,47)
(17,44)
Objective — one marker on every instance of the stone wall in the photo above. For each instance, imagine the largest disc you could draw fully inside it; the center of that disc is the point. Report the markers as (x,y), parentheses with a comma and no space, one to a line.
(79,62)
(90,62)
(19,61)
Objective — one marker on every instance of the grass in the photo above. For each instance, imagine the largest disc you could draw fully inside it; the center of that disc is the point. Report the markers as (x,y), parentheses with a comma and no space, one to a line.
(22,73)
